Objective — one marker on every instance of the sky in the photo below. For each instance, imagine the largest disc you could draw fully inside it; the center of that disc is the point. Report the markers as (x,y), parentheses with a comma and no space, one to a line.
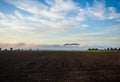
(47,23)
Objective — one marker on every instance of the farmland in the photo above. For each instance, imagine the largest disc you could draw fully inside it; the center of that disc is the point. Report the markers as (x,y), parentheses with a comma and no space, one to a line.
(59,66)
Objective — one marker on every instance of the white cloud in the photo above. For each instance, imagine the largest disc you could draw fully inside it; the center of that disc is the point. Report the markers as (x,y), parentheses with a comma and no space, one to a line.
(100,11)
(56,12)
(112,13)
(84,25)
(61,5)
(60,13)
(43,20)
(28,5)
(2,16)
(19,15)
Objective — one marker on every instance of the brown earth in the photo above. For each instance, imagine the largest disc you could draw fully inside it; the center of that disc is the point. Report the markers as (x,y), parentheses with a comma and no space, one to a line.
(59,66)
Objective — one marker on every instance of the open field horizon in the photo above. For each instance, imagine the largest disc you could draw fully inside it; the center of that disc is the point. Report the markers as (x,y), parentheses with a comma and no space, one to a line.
(59,40)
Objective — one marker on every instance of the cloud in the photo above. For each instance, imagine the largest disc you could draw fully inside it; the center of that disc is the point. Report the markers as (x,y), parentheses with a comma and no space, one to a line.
(28,5)
(84,25)
(35,21)
(112,13)
(17,45)
(60,13)
(56,12)
(2,16)
(54,9)
(100,11)
(41,19)
(59,8)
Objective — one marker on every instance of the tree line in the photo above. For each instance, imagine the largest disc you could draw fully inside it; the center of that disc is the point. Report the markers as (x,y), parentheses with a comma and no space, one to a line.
(106,49)
(11,49)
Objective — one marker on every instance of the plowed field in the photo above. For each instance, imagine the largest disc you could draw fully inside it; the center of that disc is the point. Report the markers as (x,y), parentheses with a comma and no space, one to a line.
(59,66)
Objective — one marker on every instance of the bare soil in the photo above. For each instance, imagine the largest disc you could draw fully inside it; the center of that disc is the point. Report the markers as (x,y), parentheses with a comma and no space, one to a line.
(59,66)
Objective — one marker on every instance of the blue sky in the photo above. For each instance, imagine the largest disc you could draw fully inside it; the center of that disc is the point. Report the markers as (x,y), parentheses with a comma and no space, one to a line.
(28,23)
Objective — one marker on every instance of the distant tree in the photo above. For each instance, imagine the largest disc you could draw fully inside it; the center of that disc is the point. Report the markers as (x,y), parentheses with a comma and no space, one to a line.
(96,48)
(18,49)
(11,49)
(5,49)
(119,49)
(30,49)
(115,49)
(89,49)
(0,49)
(111,49)
(93,49)
(108,49)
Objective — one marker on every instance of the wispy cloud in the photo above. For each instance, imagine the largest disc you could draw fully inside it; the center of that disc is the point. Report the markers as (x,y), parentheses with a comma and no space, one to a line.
(113,14)
(56,13)
(34,19)
(100,11)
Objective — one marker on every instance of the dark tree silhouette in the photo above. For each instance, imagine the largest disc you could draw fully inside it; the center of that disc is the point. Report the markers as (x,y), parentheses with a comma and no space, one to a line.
(111,49)
(89,49)
(108,49)
(119,49)
(96,49)
(93,49)
(11,49)
(115,49)
(0,49)
(18,49)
